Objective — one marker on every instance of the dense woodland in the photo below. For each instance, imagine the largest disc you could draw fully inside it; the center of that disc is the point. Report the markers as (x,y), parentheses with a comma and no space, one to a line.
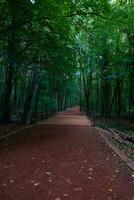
(55,54)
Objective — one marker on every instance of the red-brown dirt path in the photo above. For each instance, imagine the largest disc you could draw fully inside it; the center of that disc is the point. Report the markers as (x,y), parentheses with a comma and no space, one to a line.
(62,159)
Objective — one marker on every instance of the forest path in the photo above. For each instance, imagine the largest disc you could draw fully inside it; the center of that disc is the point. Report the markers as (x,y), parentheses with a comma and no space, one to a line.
(62,158)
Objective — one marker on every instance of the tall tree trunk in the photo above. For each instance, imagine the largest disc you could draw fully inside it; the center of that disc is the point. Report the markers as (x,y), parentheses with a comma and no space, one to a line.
(7,95)
(119,97)
(131,88)
(29,98)
(11,62)
(113,99)
(6,100)
(87,81)
(104,87)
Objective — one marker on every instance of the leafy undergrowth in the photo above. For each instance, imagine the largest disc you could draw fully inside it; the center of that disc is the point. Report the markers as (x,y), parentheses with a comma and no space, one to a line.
(117,123)
(128,149)
(121,125)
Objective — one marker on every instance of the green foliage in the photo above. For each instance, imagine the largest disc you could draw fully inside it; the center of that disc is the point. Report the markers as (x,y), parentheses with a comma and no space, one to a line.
(43,44)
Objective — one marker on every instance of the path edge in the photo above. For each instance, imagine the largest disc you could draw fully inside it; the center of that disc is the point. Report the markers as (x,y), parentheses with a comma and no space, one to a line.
(17,131)
(125,159)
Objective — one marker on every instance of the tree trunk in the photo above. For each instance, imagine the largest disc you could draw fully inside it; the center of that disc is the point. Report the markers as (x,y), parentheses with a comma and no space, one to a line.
(131,99)
(29,98)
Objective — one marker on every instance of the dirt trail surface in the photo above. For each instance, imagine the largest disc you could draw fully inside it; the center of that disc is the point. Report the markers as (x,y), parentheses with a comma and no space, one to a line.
(62,159)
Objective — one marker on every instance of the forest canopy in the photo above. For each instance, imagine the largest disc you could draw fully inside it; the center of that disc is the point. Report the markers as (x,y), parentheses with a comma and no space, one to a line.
(55,54)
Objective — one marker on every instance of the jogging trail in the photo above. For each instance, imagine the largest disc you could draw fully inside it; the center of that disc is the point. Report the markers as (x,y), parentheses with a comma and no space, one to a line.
(63,158)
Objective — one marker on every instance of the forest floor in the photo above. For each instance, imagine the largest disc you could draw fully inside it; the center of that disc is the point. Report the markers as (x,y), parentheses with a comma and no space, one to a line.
(62,158)
(123,126)
(116,122)
(8,128)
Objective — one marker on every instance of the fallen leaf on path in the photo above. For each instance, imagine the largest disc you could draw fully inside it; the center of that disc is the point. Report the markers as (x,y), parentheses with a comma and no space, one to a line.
(69,181)
(90,169)
(48,173)
(58,198)
(65,195)
(116,171)
(11,181)
(36,184)
(81,149)
(77,189)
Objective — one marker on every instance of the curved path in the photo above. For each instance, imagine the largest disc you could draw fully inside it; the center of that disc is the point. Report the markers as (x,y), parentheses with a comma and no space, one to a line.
(62,159)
